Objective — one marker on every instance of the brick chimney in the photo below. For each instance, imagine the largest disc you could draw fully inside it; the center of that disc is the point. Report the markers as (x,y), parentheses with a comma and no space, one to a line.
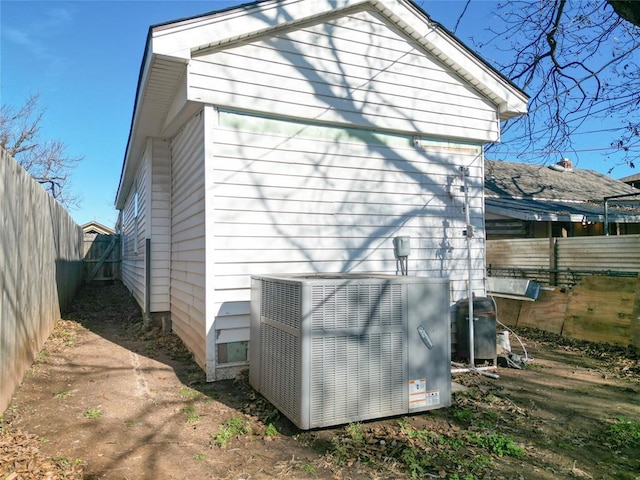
(565,163)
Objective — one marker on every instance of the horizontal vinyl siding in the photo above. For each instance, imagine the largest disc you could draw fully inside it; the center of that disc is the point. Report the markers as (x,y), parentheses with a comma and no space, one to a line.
(354,70)
(187,238)
(294,199)
(161,226)
(134,230)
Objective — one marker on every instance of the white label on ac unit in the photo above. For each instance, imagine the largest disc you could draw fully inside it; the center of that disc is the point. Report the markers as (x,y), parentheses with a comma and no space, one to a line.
(433,398)
(417,393)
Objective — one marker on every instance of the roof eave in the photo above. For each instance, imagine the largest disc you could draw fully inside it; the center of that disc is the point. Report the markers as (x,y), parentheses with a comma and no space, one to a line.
(576,217)
(153,98)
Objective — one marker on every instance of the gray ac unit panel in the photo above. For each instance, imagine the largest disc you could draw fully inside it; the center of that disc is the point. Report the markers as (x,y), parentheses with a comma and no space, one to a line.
(334,349)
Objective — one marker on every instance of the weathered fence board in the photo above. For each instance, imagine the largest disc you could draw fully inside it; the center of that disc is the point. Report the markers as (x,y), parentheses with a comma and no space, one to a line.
(40,270)
(599,309)
(546,313)
(101,257)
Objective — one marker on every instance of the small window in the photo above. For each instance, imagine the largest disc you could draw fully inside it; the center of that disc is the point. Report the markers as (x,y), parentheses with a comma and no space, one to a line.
(232,352)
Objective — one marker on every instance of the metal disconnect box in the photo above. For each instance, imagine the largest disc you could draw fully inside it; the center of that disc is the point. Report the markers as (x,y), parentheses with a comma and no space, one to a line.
(334,349)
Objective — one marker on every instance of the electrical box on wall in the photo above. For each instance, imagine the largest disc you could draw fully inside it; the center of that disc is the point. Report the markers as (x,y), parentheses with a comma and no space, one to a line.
(335,349)
(402,246)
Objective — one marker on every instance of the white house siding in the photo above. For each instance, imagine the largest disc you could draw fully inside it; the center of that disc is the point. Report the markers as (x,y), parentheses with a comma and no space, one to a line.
(354,70)
(293,197)
(134,230)
(160,225)
(188,238)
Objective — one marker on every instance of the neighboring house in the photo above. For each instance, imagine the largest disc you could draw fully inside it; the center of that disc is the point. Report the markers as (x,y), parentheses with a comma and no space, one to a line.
(633,180)
(538,201)
(300,136)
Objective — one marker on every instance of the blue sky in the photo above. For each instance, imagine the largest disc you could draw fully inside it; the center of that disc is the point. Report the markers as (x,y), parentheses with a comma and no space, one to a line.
(83,58)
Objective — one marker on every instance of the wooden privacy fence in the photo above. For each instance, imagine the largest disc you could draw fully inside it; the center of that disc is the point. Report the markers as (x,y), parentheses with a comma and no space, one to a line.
(101,257)
(564,261)
(40,270)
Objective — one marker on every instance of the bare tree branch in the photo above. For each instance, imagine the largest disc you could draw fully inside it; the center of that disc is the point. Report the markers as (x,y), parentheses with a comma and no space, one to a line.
(579,61)
(47,161)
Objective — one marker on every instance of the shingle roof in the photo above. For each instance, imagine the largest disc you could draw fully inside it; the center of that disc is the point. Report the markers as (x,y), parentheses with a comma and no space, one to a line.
(521,180)
(631,178)
(96,227)
(541,193)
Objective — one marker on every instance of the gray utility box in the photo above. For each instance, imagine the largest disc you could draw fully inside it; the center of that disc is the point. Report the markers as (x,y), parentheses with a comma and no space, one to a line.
(334,349)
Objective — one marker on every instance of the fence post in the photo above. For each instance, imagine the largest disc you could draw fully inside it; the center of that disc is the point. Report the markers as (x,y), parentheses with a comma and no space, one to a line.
(553,261)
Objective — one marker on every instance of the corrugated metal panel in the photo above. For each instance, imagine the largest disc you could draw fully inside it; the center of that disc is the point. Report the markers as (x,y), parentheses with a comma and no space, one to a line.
(523,253)
(616,253)
(565,264)
(556,211)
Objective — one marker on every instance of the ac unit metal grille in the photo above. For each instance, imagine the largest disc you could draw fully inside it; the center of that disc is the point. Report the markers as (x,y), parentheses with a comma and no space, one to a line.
(356,306)
(356,377)
(342,348)
(282,374)
(281,302)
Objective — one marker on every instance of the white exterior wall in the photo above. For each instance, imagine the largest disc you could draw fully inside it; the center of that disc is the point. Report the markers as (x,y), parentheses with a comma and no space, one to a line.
(296,198)
(321,196)
(354,70)
(134,230)
(160,225)
(188,238)
(326,130)
(152,186)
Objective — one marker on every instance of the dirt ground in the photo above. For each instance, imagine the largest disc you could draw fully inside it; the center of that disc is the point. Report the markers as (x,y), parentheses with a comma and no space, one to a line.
(107,399)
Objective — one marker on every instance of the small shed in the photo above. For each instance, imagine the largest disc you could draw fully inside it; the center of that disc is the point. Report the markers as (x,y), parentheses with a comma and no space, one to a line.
(301,136)
(91,230)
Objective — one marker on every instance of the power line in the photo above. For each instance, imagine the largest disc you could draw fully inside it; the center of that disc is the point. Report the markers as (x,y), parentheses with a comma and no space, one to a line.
(550,152)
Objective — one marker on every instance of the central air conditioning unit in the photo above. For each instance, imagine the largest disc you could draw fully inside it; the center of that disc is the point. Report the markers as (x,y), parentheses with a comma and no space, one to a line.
(334,349)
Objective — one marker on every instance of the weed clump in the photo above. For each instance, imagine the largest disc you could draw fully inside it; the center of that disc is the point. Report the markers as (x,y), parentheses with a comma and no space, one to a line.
(231,428)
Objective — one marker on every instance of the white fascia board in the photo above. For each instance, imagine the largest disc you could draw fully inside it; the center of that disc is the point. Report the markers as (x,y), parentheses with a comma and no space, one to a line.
(125,177)
(182,38)
(141,126)
(510,100)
